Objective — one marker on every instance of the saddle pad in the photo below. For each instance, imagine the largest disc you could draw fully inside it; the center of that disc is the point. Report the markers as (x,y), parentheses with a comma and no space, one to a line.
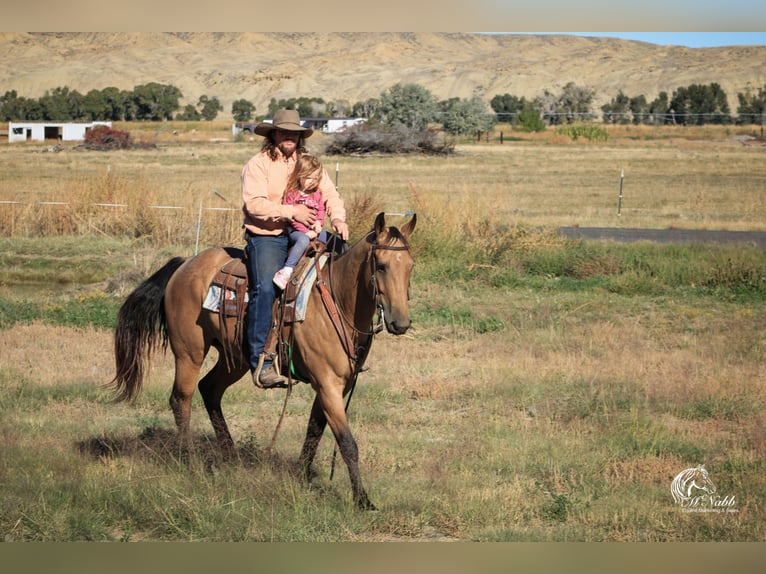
(213,299)
(305,283)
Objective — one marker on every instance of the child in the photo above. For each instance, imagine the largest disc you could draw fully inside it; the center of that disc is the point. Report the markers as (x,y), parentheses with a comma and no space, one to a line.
(302,187)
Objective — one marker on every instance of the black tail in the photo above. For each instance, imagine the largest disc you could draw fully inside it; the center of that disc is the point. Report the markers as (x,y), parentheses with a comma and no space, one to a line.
(140,329)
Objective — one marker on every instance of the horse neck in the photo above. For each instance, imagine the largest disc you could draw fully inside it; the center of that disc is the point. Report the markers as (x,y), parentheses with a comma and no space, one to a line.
(351,284)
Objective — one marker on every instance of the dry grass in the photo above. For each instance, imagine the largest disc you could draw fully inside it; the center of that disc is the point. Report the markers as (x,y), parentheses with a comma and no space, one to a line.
(683,178)
(506,413)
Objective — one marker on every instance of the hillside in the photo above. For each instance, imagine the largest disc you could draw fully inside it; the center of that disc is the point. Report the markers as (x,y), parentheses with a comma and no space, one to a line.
(357,66)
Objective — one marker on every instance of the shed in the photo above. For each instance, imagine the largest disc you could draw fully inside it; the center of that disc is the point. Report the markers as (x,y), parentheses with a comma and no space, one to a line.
(42,131)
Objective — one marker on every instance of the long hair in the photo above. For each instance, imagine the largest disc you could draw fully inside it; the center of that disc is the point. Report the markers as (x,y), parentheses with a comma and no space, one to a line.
(305,165)
(270,147)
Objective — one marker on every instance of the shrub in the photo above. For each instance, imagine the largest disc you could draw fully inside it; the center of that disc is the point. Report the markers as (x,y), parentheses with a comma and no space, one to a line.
(589,132)
(369,139)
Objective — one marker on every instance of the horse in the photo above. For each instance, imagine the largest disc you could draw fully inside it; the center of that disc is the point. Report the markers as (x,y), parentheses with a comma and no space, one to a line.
(327,349)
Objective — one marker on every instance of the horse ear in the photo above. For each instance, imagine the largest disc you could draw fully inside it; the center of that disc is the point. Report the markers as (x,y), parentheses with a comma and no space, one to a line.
(380,223)
(409,227)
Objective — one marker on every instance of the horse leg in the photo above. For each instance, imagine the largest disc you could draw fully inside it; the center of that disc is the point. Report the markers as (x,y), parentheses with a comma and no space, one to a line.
(212,387)
(335,413)
(184,386)
(316,426)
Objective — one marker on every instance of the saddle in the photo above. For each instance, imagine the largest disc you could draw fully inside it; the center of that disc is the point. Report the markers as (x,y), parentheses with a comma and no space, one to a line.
(227,295)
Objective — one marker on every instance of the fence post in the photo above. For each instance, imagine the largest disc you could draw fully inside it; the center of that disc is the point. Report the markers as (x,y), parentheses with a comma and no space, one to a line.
(619,200)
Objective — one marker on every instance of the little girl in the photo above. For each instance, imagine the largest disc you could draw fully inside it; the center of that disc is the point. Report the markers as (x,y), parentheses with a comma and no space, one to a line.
(302,187)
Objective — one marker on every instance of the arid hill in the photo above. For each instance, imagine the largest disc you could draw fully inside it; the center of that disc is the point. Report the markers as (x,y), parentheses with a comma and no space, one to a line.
(357,66)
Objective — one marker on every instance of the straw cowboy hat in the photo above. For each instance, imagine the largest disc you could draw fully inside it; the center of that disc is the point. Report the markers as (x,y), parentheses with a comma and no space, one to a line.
(284,120)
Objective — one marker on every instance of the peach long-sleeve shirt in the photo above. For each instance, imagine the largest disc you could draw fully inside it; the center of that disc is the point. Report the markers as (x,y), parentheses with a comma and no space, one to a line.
(263,184)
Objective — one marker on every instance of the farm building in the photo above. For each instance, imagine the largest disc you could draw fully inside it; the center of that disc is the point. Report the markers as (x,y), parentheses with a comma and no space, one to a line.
(324,125)
(41,131)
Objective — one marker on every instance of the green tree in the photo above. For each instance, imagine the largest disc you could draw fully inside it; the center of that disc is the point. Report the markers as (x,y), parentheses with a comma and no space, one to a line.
(307,107)
(640,109)
(242,110)
(155,102)
(616,111)
(209,107)
(507,107)
(189,114)
(700,104)
(659,109)
(15,108)
(410,105)
(752,106)
(468,116)
(530,120)
(95,106)
(61,104)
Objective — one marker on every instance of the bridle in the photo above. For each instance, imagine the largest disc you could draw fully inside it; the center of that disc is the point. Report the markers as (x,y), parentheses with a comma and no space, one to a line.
(354,353)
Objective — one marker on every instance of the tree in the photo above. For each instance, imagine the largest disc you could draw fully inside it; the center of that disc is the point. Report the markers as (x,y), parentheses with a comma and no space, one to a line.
(367,109)
(752,106)
(61,104)
(410,105)
(14,108)
(242,110)
(307,107)
(699,104)
(154,101)
(189,114)
(530,120)
(575,101)
(468,116)
(209,107)
(659,109)
(507,107)
(640,109)
(616,111)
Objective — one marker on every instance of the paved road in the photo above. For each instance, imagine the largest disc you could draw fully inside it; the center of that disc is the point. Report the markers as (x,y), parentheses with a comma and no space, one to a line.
(755,238)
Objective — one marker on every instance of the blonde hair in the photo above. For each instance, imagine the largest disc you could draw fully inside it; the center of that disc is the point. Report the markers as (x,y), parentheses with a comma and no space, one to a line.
(305,165)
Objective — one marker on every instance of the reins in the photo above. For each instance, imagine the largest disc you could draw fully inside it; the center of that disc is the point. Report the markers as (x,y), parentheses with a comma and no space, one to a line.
(356,354)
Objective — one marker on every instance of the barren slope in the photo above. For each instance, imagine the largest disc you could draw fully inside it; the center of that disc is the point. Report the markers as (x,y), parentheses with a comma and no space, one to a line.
(357,66)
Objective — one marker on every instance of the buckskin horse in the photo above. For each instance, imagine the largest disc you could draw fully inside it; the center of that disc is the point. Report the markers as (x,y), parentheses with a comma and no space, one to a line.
(327,348)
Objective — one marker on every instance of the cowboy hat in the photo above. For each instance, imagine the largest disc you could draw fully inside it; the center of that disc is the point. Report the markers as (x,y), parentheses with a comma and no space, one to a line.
(283,120)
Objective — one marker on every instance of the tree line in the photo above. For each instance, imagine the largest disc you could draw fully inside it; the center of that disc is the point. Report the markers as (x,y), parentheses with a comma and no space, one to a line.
(409,105)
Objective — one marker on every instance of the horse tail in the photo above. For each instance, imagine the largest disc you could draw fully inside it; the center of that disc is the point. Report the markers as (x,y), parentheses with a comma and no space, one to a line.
(141,328)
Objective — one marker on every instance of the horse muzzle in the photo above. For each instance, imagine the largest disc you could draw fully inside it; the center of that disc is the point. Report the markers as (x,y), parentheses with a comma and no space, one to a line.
(396,325)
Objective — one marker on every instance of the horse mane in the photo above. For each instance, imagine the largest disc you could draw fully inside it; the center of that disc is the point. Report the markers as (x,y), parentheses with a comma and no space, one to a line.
(393,235)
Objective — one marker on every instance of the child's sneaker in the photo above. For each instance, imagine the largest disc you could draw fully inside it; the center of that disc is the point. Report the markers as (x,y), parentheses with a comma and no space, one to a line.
(282,277)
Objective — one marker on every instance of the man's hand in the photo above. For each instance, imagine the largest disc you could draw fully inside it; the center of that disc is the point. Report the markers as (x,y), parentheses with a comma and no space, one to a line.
(305,215)
(340,228)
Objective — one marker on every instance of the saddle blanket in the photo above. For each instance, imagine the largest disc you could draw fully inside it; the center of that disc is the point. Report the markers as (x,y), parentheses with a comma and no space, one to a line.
(304,282)
(213,299)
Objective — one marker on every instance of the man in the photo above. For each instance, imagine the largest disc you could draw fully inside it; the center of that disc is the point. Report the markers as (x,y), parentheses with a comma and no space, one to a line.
(266,220)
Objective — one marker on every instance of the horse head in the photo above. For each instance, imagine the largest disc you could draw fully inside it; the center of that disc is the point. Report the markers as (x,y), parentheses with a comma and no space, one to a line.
(701,481)
(390,267)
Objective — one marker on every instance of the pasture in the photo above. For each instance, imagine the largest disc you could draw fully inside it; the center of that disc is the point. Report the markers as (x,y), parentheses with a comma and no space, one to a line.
(549,389)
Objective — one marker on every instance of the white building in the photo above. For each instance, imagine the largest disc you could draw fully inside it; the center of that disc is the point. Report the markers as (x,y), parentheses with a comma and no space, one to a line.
(42,131)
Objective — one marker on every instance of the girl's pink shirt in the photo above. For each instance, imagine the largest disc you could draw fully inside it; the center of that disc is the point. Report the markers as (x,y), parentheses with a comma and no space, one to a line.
(313,199)
(263,184)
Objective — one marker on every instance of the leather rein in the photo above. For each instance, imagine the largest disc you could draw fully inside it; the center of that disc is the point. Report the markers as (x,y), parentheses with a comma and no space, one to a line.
(339,318)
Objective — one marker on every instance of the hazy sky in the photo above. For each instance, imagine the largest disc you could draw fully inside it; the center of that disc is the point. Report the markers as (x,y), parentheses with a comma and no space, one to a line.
(689,39)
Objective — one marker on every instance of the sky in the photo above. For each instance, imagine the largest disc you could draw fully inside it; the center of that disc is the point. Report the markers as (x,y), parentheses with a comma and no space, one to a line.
(688,39)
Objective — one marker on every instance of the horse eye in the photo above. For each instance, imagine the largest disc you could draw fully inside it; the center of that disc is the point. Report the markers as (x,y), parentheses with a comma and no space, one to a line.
(380,267)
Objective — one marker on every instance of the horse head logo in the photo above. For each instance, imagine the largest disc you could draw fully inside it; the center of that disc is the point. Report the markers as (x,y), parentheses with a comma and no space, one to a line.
(687,480)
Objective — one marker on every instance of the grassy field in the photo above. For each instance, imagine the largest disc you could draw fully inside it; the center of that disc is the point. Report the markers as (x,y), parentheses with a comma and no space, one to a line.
(549,390)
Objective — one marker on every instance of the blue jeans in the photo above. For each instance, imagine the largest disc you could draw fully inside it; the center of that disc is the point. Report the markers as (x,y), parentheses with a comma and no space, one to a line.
(299,241)
(266,255)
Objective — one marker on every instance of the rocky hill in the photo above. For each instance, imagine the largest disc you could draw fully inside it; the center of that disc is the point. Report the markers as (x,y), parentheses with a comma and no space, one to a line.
(356,66)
